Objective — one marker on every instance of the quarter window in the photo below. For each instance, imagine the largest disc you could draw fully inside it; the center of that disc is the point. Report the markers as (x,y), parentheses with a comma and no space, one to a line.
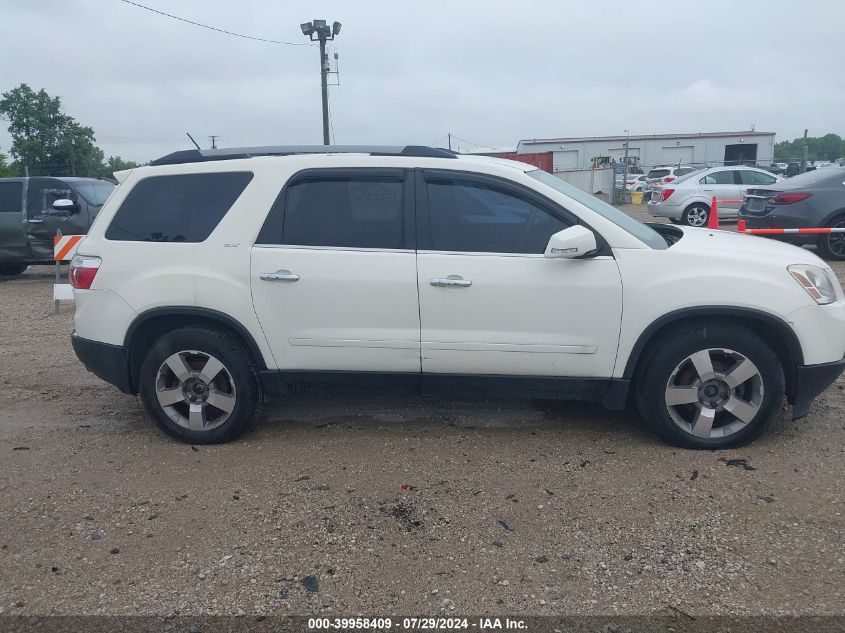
(470,217)
(181,208)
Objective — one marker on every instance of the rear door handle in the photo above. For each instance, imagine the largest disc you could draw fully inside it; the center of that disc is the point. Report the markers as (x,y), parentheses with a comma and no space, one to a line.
(452,281)
(279,275)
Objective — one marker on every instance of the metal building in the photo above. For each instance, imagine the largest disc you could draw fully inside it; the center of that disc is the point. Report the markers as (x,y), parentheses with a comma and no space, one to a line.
(645,151)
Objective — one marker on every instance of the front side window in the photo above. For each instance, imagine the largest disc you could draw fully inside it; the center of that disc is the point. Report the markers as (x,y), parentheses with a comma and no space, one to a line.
(466,216)
(179,208)
(718,178)
(94,192)
(339,211)
(751,177)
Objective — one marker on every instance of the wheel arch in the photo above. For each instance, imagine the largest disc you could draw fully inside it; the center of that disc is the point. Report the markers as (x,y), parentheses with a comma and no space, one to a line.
(152,324)
(772,329)
(698,201)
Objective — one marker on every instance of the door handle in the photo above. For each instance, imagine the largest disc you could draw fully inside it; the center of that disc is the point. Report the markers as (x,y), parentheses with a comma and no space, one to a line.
(452,281)
(35,221)
(279,275)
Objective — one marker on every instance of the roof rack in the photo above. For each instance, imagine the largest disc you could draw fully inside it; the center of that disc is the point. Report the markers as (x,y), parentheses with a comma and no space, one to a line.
(203,155)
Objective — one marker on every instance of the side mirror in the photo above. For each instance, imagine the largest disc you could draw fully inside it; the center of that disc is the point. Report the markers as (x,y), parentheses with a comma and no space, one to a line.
(576,241)
(66,205)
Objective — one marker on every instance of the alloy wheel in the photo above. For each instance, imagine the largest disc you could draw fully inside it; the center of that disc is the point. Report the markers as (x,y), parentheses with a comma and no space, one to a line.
(195,390)
(714,393)
(836,241)
(696,216)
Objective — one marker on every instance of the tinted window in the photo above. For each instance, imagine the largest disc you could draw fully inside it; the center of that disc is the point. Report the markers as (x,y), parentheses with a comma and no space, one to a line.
(657,173)
(470,217)
(750,177)
(351,212)
(183,208)
(11,197)
(718,178)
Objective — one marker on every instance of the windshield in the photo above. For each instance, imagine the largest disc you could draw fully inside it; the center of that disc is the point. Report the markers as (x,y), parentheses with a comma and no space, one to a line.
(812,177)
(95,192)
(647,235)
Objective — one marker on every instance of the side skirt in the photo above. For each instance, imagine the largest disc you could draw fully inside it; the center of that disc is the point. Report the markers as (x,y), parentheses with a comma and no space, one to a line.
(611,392)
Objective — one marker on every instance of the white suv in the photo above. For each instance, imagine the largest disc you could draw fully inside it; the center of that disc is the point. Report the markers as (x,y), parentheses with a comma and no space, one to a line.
(213,277)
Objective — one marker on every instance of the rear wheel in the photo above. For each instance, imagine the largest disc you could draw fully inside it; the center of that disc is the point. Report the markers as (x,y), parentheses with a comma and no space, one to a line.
(710,386)
(696,215)
(12,269)
(832,245)
(199,385)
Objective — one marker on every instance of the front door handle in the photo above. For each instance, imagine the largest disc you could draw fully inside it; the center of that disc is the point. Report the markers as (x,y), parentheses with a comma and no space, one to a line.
(279,275)
(452,281)
(35,221)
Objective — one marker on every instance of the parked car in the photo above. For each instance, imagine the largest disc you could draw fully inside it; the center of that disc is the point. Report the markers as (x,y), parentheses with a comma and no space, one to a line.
(33,209)
(658,176)
(635,182)
(688,199)
(228,275)
(811,200)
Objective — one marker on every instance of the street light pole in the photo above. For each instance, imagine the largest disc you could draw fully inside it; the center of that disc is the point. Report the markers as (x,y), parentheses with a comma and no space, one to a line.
(319,31)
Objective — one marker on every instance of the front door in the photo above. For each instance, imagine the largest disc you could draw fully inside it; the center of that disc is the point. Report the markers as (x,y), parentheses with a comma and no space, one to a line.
(13,246)
(490,303)
(43,221)
(333,273)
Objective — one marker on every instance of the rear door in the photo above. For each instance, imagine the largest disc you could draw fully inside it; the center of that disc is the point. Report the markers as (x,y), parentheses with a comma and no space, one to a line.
(13,247)
(333,273)
(490,302)
(724,184)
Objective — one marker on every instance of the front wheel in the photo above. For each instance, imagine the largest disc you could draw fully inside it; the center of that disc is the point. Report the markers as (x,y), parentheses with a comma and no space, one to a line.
(832,245)
(710,386)
(696,215)
(12,269)
(199,385)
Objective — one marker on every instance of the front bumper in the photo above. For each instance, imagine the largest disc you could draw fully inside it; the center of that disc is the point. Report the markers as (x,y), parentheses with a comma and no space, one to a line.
(109,362)
(810,381)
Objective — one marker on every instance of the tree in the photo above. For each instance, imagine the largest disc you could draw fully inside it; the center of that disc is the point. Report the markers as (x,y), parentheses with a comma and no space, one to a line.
(7,170)
(827,147)
(46,140)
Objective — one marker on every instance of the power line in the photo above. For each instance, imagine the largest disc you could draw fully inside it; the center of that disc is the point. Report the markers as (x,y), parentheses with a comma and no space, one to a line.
(213,28)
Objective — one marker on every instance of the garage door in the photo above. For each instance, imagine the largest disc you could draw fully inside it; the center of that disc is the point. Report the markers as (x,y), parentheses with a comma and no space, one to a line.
(566,160)
(675,154)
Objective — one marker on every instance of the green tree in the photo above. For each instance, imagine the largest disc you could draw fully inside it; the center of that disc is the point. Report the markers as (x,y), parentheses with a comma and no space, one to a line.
(46,140)
(827,147)
(7,170)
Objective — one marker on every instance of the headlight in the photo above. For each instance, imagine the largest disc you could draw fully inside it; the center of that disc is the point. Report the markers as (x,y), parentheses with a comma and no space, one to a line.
(815,281)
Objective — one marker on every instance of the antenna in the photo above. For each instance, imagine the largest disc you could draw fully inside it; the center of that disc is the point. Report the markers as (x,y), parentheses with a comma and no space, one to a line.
(192,140)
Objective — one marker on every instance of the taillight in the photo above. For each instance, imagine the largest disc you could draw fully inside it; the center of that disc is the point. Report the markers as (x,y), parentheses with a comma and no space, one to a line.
(668,179)
(82,271)
(665,193)
(789,198)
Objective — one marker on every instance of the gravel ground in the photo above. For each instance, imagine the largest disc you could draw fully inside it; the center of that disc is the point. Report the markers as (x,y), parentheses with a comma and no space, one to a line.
(376,503)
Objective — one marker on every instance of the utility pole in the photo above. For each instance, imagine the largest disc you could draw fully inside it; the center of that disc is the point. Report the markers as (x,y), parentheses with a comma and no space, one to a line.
(319,31)
(806,153)
(214,138)
(72,156)
(450,141)
(625,171)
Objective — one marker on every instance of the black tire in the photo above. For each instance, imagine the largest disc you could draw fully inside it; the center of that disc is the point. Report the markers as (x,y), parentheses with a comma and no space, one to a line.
(832,246)
(12,269)
(674,221)
(240,378)
(670,352)
(697,215)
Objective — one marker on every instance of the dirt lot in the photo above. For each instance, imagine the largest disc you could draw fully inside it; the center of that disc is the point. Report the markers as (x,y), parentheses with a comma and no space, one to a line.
(377,504)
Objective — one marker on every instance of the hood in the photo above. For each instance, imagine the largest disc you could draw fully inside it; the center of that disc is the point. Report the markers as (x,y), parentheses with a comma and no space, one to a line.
(744,247)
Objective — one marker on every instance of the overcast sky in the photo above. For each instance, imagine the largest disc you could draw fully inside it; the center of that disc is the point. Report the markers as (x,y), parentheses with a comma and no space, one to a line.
(489,72)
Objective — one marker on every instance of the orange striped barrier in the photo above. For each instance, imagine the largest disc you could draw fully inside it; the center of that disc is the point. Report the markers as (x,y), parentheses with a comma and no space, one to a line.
(64,246)
(741,228)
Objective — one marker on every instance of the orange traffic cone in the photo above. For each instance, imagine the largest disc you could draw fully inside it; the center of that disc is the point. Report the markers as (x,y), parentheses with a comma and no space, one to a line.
(713,219)
(740,226)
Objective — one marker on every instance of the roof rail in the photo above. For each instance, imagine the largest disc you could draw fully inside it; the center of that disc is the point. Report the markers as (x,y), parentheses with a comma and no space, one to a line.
(203,155)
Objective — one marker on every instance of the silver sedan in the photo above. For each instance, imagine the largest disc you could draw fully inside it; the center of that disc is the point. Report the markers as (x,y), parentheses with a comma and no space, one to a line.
(687,200)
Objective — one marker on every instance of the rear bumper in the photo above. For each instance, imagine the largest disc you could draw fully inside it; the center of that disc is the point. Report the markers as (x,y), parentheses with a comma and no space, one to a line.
(810,381)
(109,362)
(785,217)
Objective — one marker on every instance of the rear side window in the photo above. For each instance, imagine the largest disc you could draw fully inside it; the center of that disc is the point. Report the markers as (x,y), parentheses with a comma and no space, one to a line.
(657,173)
(179,208)
(339,211)
(751,177)
(11,197)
